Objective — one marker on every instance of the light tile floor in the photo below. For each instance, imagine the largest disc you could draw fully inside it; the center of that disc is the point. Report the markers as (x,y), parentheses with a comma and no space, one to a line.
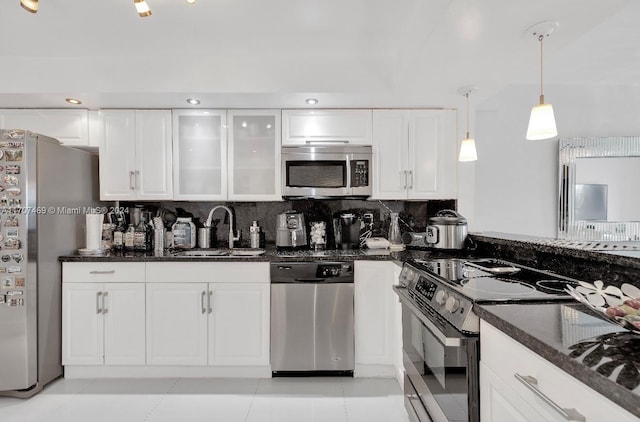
(211,400)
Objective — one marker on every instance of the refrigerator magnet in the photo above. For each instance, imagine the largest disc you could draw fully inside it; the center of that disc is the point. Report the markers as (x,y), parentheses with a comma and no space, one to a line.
(13,134)
(11,221)
(5,258)
(14,269)
(8,282)
(14,190)
(12,169)
(13,154)
(12,232)
(12,244)
(20,281)
(10,180)
(17,257)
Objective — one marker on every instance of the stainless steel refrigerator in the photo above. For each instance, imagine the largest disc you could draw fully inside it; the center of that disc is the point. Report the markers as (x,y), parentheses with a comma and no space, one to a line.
(45,190)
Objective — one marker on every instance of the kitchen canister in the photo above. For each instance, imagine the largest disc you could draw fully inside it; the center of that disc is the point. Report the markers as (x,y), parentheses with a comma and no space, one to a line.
(184,233)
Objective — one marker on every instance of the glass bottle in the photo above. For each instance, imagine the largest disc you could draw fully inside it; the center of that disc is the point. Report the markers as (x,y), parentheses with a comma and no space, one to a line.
(128,238)
(140,236)
(395,238)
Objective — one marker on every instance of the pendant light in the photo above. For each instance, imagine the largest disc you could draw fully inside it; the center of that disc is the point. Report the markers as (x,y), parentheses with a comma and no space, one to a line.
(29,5)
(468,150)
(142,8)
(542,122)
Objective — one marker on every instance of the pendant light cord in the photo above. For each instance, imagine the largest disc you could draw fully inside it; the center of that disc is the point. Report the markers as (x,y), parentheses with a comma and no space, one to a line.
(541,38)
(467,95)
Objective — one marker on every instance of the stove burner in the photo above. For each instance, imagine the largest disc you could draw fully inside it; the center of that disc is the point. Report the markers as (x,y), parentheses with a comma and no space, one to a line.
(555,285)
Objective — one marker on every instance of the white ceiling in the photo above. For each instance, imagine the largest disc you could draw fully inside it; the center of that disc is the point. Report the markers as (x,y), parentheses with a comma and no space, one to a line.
(276,53)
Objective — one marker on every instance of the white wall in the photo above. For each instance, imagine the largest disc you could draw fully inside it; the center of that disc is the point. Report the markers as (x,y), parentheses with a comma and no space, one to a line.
(515,179)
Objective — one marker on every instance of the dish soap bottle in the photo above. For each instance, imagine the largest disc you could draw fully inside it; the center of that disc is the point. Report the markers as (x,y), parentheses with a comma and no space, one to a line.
(254,232)
(395,238)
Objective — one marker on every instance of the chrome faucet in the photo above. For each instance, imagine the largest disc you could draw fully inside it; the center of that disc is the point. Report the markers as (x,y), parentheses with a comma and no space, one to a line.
(232,236)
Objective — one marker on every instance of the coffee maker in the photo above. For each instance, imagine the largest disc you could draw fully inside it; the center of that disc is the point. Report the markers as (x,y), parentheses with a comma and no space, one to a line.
(291,231)
(346,230)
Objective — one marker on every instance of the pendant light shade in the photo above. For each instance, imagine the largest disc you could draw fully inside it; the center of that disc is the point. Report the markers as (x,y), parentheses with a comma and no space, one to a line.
(142,8)
(468,150)
(29,5)
(542,121)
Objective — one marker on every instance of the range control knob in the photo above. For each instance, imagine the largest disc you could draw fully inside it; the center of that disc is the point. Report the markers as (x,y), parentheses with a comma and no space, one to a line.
(452,305)
(441,297)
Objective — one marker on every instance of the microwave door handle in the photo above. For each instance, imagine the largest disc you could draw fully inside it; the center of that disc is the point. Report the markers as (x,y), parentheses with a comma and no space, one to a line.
(327,141)
(349,187)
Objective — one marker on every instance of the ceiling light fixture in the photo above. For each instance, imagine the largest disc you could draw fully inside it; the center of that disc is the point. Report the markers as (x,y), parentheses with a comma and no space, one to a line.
(73,101)
(190,1)
(29,5)
(468,150)
(542,122)
(142,8)
(193,101)
(311,101)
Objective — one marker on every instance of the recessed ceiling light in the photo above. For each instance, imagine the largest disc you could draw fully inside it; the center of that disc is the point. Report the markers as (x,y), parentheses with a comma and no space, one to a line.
(73,101)
(29,5)
(268,125)
(244,123)
(311,101)
(190,1)
(193,101)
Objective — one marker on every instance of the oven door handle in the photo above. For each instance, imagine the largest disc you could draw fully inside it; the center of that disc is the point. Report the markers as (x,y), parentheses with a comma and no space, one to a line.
(310,280)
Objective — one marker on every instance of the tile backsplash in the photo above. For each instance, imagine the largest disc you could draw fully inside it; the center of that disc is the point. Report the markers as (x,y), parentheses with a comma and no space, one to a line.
(413,214)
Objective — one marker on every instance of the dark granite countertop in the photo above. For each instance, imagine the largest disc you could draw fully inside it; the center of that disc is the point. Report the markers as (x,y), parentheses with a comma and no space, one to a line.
(574,338)
(271,254)
(626,255)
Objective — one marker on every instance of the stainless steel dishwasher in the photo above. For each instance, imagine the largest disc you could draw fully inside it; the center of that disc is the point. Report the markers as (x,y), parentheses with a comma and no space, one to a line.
(312,318)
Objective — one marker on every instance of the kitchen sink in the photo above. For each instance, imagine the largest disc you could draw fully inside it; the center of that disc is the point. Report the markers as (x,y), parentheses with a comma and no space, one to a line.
(219,253)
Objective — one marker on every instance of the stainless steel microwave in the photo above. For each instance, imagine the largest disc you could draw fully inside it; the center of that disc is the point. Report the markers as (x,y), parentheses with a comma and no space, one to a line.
(326,171)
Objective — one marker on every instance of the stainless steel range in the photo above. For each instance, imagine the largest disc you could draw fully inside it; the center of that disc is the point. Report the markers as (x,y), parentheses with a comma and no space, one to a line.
(440,328)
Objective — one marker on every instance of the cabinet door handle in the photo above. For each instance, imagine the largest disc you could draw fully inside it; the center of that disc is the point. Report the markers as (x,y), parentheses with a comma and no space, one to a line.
(98,301)
(202,297)
(410,179)
(405,179)
(209,305)
(137,179)
(532,384)
(132,181)
(104,302)
(102,272)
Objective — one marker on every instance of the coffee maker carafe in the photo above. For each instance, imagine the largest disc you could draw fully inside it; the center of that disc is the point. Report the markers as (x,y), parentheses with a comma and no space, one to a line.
(291,232)
(346,230)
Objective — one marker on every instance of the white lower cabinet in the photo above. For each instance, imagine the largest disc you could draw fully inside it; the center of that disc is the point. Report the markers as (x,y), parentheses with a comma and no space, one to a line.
(181,319)
(505,398)
(177,323)
(208,323)
(103,323)
(377,320)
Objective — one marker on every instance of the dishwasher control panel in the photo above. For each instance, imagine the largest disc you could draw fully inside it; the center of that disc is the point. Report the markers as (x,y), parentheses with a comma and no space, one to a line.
(312,272)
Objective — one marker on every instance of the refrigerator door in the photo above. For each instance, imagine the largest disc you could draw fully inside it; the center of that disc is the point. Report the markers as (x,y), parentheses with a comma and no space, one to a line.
(18,289)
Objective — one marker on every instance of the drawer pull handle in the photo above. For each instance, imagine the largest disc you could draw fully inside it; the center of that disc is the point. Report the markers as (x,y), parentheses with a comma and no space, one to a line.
(209,305)
(203,295)
(532,384)
(102,272)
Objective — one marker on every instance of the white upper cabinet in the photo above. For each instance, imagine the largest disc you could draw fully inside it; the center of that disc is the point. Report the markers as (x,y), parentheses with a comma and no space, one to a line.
(135,155)
(69,126)
(254,155)
(414,154)
(200,154)
(308,127)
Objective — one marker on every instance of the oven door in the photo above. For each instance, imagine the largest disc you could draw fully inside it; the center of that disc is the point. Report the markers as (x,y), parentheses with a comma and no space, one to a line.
(441,368)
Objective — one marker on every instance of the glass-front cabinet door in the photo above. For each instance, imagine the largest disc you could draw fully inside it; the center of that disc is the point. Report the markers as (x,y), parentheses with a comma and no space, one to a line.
(200,154)
(254,155)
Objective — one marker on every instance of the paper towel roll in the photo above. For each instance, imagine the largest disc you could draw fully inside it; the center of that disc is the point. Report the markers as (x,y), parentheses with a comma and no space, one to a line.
(94,231)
